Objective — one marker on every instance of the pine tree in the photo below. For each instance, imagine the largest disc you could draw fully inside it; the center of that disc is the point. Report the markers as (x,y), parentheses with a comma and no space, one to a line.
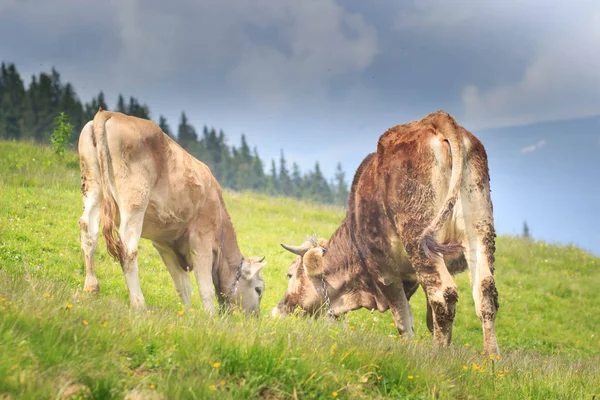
(136,109)
(526,233)
(164,126)
(121,107)
(32,110)
(296,181)
(285,183)
(242,168)
(101,101)
(273,186)
(259,183)
(318,189)
(340,186)
(72,107)
(12,105)
(186,134)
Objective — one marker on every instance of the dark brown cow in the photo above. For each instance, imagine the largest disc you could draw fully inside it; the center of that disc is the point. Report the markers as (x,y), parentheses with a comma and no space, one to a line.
(419,211)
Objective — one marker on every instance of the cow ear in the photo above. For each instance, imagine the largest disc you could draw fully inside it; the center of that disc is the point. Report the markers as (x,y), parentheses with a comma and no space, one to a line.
(249,270)
(313,261)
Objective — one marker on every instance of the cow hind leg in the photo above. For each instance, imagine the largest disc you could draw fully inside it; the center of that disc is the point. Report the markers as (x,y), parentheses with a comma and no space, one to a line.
(181,278)
(483,284)
(89,225)
(130,232)
(479,244)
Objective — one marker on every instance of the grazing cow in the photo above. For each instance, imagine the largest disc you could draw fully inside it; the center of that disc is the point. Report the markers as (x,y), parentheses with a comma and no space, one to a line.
(419,211)
(136,176)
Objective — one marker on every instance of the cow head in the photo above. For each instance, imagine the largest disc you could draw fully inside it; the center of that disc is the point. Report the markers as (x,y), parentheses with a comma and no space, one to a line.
(307,289)
(249,285)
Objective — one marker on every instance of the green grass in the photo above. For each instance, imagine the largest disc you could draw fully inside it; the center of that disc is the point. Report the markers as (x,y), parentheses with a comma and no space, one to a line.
(547,325)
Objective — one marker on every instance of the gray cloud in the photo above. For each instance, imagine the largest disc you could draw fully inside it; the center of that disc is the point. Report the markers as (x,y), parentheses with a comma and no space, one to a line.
(551,44)
(341,72)
(560,80)
(193,49)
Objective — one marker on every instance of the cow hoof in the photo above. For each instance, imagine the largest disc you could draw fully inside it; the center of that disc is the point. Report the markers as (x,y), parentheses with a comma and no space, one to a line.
(91,286)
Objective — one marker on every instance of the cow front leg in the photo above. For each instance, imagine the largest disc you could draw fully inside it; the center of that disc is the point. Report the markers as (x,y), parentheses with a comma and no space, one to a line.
(400,308)
(202,260)
(130,232)
(181,278)
(429,316)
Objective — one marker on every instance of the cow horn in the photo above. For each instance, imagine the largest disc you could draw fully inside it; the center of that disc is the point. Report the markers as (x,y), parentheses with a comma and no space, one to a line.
(298,250)
(261,259)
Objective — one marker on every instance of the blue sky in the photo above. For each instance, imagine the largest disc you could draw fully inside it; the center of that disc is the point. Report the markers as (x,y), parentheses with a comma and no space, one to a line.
(323,79)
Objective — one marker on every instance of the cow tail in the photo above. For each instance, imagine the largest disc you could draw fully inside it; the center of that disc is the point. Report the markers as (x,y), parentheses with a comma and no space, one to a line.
(111,235)
(431,247)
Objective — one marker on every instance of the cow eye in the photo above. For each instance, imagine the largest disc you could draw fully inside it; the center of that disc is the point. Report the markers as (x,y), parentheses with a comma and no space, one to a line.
(258,291)
(289,276)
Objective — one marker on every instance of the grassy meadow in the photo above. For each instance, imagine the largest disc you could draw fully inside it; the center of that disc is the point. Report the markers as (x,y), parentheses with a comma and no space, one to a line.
(58,342)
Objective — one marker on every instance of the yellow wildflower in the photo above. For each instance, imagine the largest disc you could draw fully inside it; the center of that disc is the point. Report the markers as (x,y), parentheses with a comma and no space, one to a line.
(69,305)
(467,344)
(152,386)
(85,322)
(334,394)
(212,387)
(216,365)
(222,383)
(465,367)
(180,313)
(105,323)
(46,294)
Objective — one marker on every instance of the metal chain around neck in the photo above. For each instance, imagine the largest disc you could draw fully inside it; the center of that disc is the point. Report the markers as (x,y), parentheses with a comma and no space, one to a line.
(330,312)
(238,275)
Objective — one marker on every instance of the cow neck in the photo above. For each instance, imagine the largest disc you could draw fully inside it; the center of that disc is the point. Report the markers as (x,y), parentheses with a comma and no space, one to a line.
(231,257)
(345,275)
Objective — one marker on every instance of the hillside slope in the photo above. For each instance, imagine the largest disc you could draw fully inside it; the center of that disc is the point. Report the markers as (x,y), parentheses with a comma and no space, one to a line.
(57,339)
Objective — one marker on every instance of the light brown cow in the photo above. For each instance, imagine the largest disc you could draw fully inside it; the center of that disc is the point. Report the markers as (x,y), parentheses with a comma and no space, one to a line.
(419,211)
(136,176)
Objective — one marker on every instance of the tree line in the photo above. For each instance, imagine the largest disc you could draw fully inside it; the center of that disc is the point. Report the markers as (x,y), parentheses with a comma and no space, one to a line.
(27,112)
